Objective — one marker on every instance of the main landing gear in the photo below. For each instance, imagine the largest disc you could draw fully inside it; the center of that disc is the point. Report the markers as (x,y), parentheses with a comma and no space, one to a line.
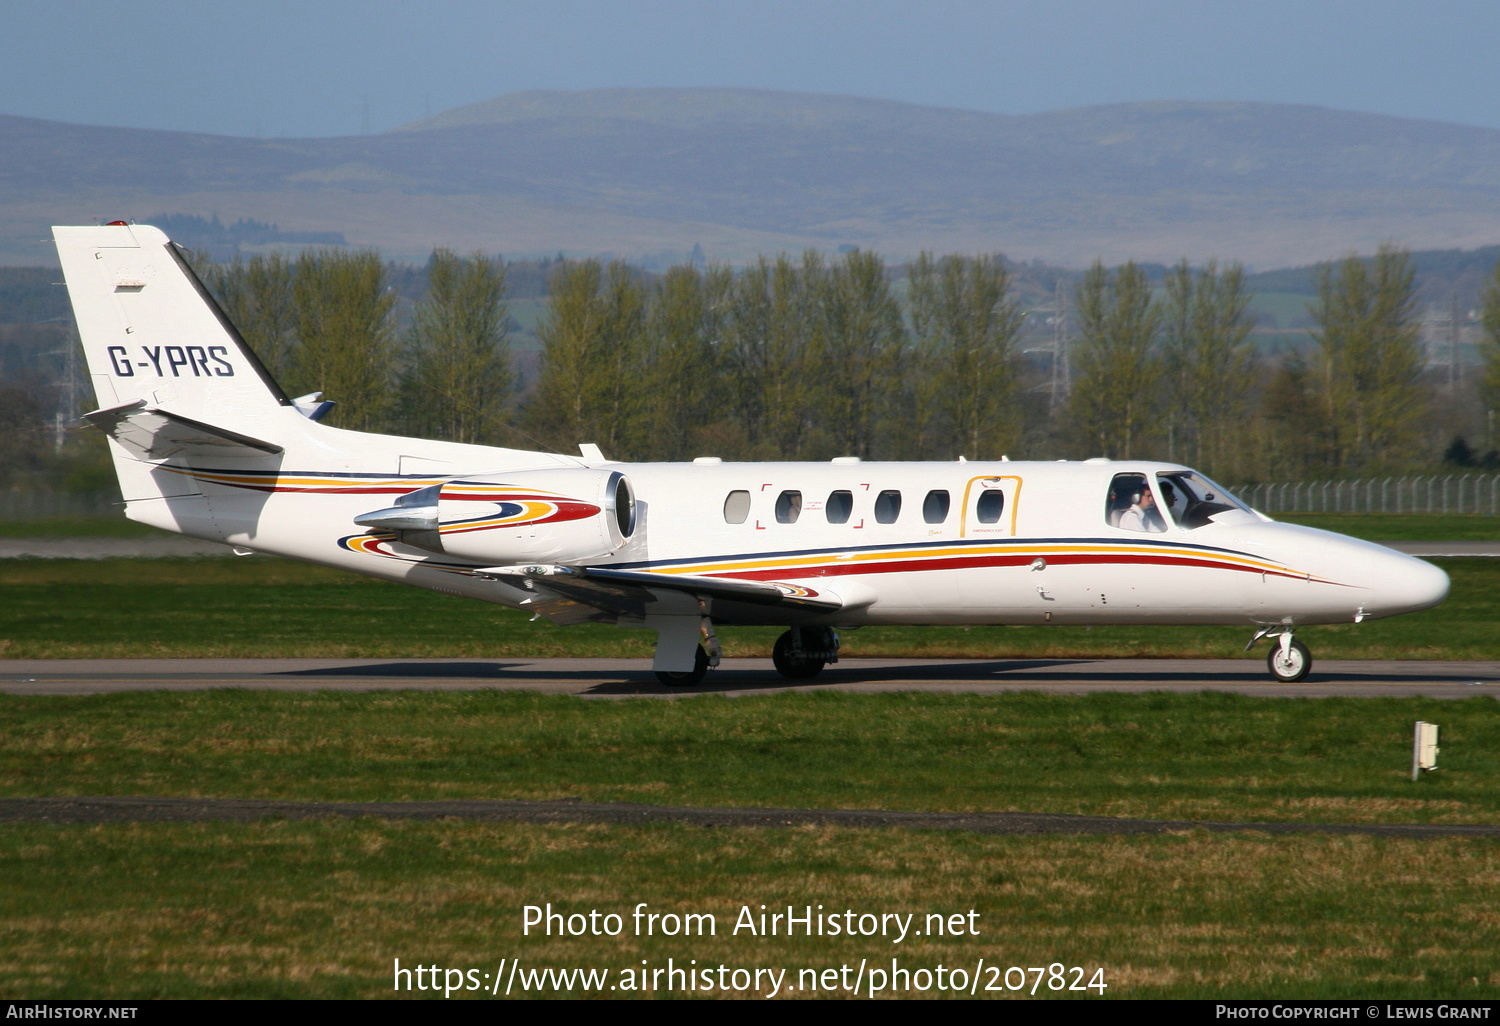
(802,652)
(1289,660)
(676,637)
(686,678)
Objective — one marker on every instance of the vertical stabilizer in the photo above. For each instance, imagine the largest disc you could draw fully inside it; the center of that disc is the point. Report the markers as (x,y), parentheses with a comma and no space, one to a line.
(151,332)
(177,387)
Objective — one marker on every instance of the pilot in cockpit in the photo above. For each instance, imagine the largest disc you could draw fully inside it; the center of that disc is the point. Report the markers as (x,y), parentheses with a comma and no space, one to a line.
(1143,514)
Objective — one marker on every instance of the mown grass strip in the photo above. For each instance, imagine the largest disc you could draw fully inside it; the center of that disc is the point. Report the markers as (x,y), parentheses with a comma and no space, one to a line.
(1403,526)
(1200,756)
(321,909)
(261,607)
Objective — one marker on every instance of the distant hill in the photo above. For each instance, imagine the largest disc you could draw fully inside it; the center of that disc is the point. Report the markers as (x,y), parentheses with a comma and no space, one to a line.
(742,172)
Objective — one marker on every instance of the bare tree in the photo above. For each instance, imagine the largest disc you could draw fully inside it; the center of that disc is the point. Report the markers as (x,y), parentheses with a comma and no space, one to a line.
(256,294)
(859,342)
(345,338)
(1489,347)
(1117,370)
(965,325)
(686,358)
(1209,363)
(589,387)
(770,333)
(460,380)
(1369,360)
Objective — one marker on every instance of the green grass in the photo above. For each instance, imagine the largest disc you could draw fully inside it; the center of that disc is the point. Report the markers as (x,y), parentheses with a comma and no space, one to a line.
(261,607)
(112,526)
(1402,527)
(321,910)
(1193,756)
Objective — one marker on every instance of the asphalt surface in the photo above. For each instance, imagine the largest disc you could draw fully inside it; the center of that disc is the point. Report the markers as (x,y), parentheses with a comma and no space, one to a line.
(149,547)
(626,678)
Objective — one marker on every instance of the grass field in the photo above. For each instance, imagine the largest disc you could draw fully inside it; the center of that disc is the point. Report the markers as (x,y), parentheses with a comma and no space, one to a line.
(1209,756)
(321,909)
(1403,527)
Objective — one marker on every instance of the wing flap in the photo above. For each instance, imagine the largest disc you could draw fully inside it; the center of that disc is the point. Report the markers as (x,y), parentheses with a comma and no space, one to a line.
(560,590)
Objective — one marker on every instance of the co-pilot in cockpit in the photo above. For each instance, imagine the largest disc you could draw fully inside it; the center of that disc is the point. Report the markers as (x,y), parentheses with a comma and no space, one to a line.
(1180,497)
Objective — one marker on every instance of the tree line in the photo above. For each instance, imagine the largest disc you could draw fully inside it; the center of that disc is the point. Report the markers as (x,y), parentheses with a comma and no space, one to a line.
(814,356)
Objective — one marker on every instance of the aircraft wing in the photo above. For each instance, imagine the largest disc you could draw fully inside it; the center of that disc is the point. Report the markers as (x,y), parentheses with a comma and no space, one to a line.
(566,594)
(152,434)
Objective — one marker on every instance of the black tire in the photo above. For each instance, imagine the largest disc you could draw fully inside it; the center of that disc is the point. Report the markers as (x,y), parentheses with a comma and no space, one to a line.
(794,667)
(686,678)
(1296,665)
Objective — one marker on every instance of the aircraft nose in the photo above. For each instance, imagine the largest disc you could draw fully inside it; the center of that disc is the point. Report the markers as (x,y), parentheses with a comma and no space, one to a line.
(1406,584)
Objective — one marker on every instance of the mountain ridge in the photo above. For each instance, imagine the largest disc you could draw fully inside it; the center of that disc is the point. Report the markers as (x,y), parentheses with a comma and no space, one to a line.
(743,172)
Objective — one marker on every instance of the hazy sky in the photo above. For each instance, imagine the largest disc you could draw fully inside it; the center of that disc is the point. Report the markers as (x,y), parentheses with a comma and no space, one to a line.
(332,67)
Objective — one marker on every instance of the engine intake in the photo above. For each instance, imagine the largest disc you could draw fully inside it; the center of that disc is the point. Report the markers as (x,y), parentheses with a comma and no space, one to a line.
(556,516)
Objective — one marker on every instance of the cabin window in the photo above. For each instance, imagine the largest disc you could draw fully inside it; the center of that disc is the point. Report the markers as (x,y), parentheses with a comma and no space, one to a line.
(840,504)
(989,507)
(935,507)
(887,506)
(736,507)
(788,507)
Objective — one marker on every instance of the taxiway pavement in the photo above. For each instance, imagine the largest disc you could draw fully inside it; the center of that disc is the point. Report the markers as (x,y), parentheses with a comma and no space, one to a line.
(625,678)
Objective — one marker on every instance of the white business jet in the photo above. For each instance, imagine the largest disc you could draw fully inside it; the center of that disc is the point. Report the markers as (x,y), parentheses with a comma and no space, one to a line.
(205,443)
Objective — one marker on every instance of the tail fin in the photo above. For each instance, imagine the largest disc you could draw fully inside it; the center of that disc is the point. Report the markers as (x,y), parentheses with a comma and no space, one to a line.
(151,332)
(177,385)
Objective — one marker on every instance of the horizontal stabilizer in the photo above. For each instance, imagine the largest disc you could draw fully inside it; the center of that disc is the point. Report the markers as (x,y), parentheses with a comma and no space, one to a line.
(152,434)
(630,591)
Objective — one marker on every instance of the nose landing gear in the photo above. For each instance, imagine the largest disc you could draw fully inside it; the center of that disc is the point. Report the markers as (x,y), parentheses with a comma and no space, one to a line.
(1289,660)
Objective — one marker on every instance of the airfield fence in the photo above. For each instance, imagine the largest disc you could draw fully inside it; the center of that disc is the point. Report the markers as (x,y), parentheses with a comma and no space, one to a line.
(1433,493)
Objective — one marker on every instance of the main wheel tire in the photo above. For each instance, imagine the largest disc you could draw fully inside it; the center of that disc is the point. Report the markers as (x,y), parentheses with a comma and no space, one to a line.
(794,667)
(686,678)
(1291,667)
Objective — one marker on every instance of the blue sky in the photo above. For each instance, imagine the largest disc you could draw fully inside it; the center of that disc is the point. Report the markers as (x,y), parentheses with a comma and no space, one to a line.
(331,67)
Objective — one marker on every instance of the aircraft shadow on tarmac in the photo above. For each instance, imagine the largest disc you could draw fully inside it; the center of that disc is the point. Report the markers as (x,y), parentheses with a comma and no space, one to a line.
(731,679)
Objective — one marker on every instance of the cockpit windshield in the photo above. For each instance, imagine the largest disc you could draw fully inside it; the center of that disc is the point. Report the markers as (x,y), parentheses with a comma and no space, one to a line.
(1192,500)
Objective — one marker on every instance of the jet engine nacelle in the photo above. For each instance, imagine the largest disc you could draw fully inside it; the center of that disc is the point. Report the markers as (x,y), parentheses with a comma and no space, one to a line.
(531,516)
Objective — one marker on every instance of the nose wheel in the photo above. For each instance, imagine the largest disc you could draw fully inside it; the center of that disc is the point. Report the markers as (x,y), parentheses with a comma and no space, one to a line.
(1289,660)
(1291,663)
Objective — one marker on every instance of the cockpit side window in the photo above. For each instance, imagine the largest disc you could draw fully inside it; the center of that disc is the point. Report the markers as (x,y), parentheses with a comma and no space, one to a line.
(1192,500)
(1132,505)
